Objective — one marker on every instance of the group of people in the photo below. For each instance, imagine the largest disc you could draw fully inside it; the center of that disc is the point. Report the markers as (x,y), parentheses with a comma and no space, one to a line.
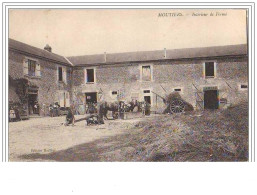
(97,111)
(33,107)
(54,109)
(14,114)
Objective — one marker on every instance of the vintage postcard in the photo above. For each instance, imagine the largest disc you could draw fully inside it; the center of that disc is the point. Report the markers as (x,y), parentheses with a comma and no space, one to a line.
(130,85)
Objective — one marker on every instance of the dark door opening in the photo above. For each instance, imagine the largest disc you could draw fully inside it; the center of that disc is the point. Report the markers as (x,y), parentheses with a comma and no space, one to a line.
(33,104)
(147,99)
(91,97)
(211,99)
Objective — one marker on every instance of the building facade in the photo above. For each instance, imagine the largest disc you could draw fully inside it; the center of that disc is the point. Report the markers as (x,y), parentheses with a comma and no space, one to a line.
(207,78)
(38,77)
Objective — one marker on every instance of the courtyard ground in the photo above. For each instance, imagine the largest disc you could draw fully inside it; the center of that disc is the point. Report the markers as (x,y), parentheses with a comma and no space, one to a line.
(220,135)
(46,135)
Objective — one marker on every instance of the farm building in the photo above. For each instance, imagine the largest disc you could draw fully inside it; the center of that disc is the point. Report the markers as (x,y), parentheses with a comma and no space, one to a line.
(38,76)
(208,78)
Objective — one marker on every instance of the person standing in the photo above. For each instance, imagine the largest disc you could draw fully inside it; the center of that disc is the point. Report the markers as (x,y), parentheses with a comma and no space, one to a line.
(70,119)
(100,113)
(51,110)
(143,108)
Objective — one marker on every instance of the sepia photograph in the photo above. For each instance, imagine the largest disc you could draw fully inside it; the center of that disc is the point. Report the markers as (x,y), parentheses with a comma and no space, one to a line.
(128,85)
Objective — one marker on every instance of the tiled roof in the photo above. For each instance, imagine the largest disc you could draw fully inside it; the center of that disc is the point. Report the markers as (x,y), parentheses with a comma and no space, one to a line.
(202,52)
(41,53)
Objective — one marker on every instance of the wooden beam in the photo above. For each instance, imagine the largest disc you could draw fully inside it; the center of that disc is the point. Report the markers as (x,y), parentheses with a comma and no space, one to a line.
(195,87)
(163,88)
(159,95)
(228,85)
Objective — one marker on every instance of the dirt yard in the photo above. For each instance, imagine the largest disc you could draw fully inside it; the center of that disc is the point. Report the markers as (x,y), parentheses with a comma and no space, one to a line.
(220,135)
(43,136)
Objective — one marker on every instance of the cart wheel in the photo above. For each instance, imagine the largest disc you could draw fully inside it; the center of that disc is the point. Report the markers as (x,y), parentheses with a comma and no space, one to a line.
(177,106)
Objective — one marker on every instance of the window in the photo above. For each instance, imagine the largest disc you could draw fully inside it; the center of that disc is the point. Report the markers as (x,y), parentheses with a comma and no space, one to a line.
(147,95)
(114,95)
(146,91)
(244,86)
(31,68)
(209,69)
(90,75)
(60,75)
(64,99)
(146,73)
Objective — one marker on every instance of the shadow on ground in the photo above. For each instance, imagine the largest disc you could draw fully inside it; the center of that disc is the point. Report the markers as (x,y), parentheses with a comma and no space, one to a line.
(107,149)
(220,135)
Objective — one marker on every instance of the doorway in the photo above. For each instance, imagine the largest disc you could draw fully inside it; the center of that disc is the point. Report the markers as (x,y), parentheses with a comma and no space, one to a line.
(211,100)
(33,104)
(91,100)
(91,97)
(147,99)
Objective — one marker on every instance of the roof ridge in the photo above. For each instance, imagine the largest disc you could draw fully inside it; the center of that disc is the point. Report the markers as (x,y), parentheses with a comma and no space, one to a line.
(44,54)
(157,50)
(35,47)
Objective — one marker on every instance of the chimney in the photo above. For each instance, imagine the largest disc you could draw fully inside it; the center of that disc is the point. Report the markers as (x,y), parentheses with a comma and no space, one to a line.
(48,48)
(165,53)
(105,59)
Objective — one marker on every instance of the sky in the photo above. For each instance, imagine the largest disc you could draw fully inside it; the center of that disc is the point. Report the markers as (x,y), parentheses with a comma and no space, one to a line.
(95,31)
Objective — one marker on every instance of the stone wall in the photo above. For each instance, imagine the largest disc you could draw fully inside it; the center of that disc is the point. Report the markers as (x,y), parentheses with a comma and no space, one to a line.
(47,83)
(183,74)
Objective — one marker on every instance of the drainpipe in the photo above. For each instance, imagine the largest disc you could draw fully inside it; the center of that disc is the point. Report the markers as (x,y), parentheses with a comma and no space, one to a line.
(105,59)
(165,53)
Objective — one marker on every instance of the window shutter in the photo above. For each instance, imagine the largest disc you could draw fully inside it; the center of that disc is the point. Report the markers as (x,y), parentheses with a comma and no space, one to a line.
(64,74)
(25,67)
(57,73)
(85,75)
(38,71)
(67,99)
(61,99)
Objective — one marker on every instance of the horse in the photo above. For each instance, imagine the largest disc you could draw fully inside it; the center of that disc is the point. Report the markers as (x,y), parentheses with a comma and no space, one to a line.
(114,107)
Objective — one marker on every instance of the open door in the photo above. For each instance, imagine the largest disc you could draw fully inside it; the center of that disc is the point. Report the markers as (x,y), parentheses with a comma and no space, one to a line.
(91,97)
(147,99)
(211,100)
(199,100)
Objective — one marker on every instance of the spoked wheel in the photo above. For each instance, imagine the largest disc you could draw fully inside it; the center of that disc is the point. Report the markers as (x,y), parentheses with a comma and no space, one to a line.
(177,106)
